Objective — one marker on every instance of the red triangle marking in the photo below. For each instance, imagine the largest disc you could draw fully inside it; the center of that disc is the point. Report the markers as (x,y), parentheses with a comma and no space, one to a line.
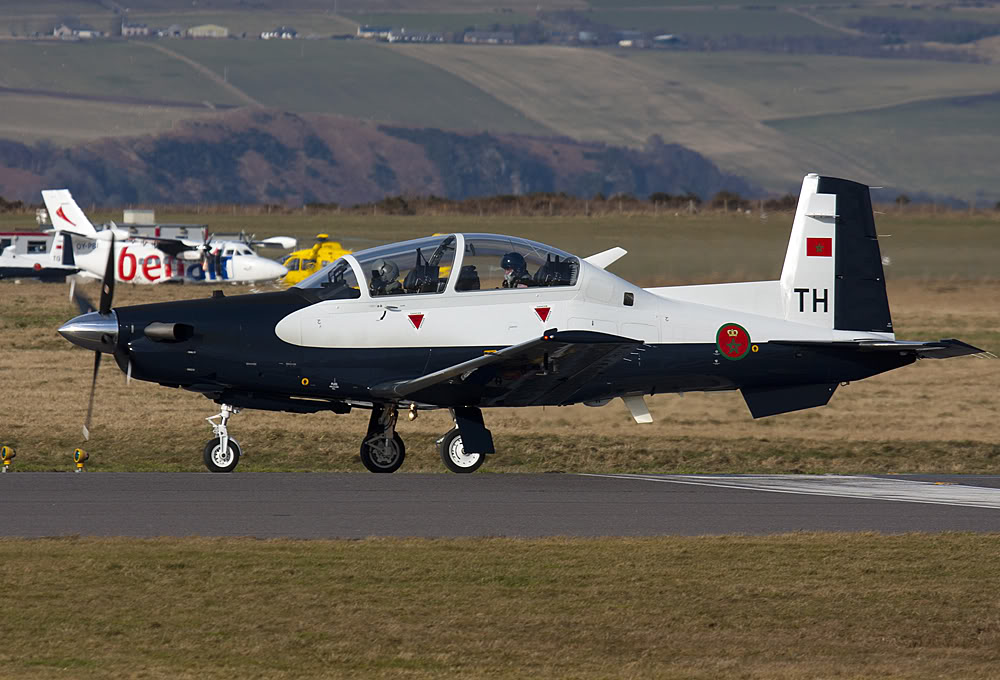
(542,312)
(416,320)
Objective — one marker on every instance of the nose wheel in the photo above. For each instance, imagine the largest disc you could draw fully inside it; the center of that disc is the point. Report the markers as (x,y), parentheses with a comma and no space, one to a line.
(222,453)
(219,459)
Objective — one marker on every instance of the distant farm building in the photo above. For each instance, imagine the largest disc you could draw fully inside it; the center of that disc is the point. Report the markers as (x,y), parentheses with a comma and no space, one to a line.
(74,30)
(374,32)
(134,30)
(208,31)
(173,31)
(489,37)
(402,35)
(280,33)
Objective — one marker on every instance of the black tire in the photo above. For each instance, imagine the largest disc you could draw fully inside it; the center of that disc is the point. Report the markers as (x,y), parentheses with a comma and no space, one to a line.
(377,457)
(454,456)
(214,459)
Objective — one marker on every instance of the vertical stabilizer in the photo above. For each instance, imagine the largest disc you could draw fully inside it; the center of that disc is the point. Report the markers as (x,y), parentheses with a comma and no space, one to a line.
(65,214)
(832,276)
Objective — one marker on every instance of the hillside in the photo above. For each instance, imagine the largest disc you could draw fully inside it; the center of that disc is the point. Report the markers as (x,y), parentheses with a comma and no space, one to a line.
(264,156)
(891,95)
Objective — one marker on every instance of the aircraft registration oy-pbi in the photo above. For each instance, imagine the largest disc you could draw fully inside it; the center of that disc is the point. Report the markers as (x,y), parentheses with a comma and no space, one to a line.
(471,321)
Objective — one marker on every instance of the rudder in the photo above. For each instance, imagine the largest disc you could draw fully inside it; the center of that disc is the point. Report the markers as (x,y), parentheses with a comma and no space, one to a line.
(832,275)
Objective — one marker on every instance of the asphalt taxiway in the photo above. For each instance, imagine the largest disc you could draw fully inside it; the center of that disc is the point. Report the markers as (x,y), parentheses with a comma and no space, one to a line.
(319,505)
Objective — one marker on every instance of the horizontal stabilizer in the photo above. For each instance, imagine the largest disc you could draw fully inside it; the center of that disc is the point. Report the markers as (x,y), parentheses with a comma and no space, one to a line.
(549,369)
(940,349)
(772,401)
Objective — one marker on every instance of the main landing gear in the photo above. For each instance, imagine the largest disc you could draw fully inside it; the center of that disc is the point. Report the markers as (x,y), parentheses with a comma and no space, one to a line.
(454,456)
(382,450)
(222,453)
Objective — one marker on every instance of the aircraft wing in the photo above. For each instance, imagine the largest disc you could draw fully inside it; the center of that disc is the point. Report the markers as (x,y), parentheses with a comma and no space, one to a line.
(939,349)
(549,369)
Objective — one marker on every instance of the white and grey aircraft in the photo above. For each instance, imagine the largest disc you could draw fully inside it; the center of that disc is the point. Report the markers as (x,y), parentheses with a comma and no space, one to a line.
(151,260)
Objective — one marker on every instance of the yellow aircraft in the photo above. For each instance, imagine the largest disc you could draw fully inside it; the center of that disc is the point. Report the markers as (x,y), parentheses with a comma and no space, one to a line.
(304,263)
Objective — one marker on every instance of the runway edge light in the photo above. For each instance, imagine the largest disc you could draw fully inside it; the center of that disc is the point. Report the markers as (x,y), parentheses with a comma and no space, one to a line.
(7,454)
(79,457)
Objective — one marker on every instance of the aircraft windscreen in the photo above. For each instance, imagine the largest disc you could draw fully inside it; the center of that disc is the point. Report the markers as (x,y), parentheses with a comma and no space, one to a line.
(335,282)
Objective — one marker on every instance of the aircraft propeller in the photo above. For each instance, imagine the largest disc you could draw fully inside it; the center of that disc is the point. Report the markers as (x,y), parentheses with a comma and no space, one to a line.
(96,328)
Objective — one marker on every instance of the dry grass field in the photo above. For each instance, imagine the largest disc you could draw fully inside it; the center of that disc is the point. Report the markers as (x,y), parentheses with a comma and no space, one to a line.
(793,606)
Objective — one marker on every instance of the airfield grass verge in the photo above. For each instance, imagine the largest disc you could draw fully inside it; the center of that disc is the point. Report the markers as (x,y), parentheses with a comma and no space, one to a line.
(787,606)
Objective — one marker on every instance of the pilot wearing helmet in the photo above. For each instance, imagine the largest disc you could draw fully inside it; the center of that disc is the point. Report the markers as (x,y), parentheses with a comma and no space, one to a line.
(385,275)
(515,271)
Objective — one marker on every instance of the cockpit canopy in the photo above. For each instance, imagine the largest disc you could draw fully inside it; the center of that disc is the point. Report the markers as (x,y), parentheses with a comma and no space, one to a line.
(428,266)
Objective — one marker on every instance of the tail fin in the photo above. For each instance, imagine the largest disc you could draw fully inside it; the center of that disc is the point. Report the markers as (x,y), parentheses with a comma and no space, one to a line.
(832,276)
(66,214)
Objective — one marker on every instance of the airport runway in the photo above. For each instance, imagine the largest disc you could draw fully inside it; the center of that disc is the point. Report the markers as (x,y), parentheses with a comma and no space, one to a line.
(356,505)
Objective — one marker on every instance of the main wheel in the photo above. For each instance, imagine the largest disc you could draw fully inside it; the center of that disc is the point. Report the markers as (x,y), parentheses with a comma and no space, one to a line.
(454,456)
(217,460)
(379,454)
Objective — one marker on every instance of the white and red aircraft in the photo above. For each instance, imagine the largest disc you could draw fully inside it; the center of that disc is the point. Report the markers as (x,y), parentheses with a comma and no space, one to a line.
(472,321)
(142,259)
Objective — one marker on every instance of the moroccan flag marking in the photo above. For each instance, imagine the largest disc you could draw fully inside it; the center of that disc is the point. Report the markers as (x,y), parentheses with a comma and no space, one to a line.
(416,320)
(819,247)
(733,341)
(543,313)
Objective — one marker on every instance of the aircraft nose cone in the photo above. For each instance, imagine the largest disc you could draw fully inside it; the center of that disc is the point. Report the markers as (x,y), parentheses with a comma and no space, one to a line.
(276,270)
(92,331)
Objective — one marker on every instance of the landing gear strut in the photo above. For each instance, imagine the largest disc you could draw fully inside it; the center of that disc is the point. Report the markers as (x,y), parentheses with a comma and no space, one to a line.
(382,450)
(222,453)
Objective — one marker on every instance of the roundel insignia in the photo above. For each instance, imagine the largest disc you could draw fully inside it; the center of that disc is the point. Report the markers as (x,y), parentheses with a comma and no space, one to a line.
(733,341)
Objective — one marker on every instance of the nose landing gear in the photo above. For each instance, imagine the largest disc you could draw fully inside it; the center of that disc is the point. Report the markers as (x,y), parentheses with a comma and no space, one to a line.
(222,453)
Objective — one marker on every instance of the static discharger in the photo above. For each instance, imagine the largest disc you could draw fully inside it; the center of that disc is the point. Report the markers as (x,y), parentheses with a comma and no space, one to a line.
(6,455)
(80,457)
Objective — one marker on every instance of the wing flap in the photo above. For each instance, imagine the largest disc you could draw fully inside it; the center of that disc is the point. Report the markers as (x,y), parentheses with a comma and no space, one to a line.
(547,369)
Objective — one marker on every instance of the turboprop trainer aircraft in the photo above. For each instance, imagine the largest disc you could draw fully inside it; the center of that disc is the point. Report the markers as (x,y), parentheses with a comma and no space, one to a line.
(146,259)
(518,323)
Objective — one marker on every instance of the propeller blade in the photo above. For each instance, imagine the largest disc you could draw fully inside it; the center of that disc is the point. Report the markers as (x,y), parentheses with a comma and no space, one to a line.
(93,390)
(108,284)
(83,303)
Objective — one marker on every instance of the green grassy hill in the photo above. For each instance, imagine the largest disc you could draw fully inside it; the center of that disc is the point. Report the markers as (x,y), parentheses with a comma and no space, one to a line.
(769,117)
(357,79)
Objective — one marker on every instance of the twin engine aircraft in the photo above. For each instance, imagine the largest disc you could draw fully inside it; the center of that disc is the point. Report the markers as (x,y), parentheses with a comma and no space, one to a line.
(470,321)
(146,260)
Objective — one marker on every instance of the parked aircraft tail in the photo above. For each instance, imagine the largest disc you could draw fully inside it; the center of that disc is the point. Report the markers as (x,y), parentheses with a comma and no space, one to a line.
(832,276)
(65,214)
